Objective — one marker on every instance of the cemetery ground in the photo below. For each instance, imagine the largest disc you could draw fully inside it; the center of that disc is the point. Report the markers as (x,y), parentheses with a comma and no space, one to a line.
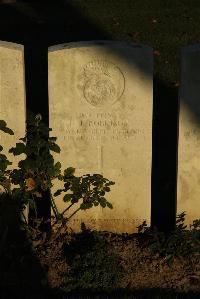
(87,264)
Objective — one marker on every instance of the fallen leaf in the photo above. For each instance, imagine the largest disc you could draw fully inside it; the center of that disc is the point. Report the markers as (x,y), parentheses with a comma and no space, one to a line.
(176,83)
(153,20)
(156,53)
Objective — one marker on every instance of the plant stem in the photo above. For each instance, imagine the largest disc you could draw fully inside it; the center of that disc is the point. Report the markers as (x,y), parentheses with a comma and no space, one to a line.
(24,217)
(67,208)
(73,213)
(53,205)
(63,213)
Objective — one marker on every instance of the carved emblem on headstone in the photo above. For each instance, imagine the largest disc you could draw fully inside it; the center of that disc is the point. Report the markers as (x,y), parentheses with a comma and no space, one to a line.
(101,83)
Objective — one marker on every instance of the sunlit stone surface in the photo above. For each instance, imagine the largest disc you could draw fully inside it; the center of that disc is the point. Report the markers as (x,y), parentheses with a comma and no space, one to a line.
(12,98)
(100,108)
(189,135)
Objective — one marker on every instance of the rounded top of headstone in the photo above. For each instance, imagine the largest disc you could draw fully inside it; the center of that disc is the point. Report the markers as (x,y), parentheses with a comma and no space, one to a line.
(79,44)
(11,45)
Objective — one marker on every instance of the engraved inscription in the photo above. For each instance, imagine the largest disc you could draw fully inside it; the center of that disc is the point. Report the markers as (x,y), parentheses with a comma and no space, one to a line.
(84,126)
(101,83)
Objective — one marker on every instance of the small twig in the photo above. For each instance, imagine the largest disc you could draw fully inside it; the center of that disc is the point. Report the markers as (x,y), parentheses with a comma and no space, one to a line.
(67,208)
(73,213)
(53,205)
(63,223)
(63,213)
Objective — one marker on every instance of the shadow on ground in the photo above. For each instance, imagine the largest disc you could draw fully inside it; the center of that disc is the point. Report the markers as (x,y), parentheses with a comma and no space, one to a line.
(19,267)
(22,275)
(118,293)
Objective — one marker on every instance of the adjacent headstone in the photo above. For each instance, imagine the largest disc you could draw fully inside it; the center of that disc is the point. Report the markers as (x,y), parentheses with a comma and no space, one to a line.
(100,108)
(12,98)
(189,135)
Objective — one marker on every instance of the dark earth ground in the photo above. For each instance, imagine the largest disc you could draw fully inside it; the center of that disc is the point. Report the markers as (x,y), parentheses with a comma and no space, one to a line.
(141,269)
(36,270)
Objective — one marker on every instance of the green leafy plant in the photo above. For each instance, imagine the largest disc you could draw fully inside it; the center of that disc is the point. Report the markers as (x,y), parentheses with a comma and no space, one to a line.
(179,243)
(37,170)
(92,263)
(90,189)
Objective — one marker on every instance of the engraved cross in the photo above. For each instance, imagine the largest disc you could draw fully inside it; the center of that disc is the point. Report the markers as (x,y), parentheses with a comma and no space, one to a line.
(100,166)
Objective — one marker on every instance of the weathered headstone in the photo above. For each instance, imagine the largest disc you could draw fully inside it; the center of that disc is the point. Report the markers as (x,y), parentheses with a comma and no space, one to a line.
(100,108)
(12,98)
(189,135)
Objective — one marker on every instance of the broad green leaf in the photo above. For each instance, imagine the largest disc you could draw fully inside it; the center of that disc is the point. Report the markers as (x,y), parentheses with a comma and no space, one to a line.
(102,193)
(58,192)
(4,162)
(51,172)
(18,150)
(82,206)
(60,177)
(69,172)
(57,170)
(85,206)
(109,205)
(3,157)
(16,176)
(67,197)
(103,204)
(4,128)
(58,165)
(54,147)
(3,124)
(7,130)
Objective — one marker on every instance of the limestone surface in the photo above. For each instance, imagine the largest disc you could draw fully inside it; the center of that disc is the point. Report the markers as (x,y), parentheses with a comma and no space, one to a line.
(100,108)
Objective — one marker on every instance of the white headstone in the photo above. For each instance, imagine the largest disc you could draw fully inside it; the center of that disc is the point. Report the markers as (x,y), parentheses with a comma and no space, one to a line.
(100,108)
(189,135)
(12,98)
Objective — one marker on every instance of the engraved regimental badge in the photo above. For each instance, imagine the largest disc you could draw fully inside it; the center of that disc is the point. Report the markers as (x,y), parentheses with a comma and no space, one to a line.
(101,83)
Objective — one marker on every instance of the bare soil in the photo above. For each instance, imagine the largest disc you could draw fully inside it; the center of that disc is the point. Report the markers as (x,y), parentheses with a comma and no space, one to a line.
(36,267)
(142,270)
